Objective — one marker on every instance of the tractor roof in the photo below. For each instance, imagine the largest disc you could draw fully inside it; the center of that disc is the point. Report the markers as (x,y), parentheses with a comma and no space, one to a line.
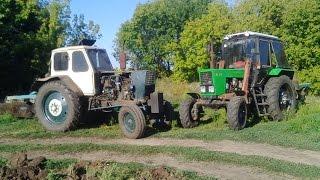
(75,48)
(250,33)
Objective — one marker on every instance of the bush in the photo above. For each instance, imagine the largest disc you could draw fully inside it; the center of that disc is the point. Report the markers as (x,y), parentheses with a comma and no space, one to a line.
(175,91)
(312,76)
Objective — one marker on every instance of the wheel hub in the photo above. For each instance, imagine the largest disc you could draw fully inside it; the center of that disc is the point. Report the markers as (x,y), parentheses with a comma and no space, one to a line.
(129,122)
(55,107)
(285,99)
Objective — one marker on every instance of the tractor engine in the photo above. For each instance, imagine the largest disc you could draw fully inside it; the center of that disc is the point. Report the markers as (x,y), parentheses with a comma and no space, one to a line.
(116,87)
(137,86)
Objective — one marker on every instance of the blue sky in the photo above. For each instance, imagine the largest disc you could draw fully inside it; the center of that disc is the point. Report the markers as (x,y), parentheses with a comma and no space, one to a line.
(109,14)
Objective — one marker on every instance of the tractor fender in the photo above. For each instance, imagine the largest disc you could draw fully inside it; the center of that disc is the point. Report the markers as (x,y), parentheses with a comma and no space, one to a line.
(194,95)
(65,79)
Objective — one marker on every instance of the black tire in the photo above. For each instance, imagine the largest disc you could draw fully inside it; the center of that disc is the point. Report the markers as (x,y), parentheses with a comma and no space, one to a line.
(70,113)
(132,122)
(185,112)
(237,113)
(277,104)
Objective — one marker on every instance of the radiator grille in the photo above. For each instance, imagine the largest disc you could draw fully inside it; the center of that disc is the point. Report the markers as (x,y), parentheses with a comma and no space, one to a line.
(206,78)
(150,78)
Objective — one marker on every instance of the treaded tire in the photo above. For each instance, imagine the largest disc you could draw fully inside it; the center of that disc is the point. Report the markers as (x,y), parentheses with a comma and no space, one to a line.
(139,121)
(272,90)
(237,113)
(71,115)
(186,119)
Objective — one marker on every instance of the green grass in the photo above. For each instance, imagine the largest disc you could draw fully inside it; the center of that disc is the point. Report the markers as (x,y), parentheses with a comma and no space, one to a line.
(121,171)
(60,169)
(190,154)
(302,131)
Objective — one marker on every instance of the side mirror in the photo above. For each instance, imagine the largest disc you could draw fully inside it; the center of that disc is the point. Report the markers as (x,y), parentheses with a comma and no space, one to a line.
(123,62)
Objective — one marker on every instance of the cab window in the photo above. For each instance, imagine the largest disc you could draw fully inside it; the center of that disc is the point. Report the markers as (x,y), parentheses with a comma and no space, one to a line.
(79,63)
(60,61)
(279,53)
(264,53)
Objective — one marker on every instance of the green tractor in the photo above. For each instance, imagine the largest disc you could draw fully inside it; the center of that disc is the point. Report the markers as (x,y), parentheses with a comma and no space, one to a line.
(251,78)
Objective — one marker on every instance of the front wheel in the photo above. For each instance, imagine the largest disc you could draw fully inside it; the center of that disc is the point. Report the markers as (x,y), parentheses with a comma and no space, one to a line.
(237,113)
(189,115)
(132,121)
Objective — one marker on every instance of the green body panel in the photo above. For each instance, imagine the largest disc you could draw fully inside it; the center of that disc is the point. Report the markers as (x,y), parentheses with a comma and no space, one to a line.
(219,79)
(276,72)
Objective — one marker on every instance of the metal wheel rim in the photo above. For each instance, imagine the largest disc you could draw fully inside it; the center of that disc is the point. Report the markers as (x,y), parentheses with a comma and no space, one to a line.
(55,107)
(285,97)
(129,122)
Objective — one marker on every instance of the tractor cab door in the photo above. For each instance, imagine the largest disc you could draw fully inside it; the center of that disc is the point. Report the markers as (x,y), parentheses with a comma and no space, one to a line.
(81,72)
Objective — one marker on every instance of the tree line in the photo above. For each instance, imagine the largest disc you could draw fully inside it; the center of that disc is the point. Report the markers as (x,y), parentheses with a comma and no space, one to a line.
(171,36)
(29,30)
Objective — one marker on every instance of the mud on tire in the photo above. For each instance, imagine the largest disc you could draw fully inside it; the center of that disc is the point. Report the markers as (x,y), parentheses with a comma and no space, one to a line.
(57,107)
(237,113)
(132,121)
(185,113)
(277,104)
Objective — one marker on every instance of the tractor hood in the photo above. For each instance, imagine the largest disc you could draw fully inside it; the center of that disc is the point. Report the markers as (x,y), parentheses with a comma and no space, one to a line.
(214,82)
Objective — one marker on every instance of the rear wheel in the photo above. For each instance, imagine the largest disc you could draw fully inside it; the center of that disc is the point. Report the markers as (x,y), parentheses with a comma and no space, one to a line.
(189,115)
(237,113)
(132,122)
(57,107)
(281,97)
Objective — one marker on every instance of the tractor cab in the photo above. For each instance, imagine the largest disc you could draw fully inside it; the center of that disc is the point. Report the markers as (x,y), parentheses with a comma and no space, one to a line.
(264,51)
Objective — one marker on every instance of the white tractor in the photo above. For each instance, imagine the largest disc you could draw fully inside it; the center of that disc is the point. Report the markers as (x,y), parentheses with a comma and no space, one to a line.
(82,79)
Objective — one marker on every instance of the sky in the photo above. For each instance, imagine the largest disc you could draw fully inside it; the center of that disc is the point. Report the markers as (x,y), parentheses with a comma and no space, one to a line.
(109,14)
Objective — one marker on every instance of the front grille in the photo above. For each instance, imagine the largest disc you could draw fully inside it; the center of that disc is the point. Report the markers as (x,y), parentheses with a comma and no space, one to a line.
(150,78)
(206,78)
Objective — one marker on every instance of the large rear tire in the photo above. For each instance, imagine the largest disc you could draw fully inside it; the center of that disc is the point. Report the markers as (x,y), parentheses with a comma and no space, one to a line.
(132,122)
(281,97)
(187,117)
(57,107)
(237,113)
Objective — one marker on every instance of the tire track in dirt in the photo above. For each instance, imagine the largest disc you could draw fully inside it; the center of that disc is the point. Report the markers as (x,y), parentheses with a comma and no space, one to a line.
(217,170)
(276,152)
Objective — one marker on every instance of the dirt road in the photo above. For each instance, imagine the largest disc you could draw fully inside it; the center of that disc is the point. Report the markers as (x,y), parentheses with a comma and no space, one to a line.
(276,152)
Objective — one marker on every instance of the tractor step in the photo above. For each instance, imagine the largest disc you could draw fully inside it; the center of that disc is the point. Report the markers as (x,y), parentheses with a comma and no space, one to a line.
(260,101)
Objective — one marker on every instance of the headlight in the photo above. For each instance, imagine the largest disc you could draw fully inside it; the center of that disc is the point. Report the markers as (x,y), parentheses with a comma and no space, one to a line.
(235,82)
(211,89)
(203,89)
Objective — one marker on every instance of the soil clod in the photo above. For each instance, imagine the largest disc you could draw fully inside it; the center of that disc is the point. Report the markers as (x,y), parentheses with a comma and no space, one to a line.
(24,168)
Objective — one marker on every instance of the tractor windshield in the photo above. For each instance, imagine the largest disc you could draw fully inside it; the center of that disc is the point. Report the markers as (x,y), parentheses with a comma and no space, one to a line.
(236,51)
(100,60)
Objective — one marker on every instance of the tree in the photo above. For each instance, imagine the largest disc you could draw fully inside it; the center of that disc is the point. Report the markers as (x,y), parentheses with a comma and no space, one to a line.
(19,24)
(259,15)
(29,30)
(148,36)
(79,30)
(301,32)
(192,52)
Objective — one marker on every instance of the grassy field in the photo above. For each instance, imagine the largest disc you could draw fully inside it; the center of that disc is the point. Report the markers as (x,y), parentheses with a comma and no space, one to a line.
(300,131)
(69,168)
